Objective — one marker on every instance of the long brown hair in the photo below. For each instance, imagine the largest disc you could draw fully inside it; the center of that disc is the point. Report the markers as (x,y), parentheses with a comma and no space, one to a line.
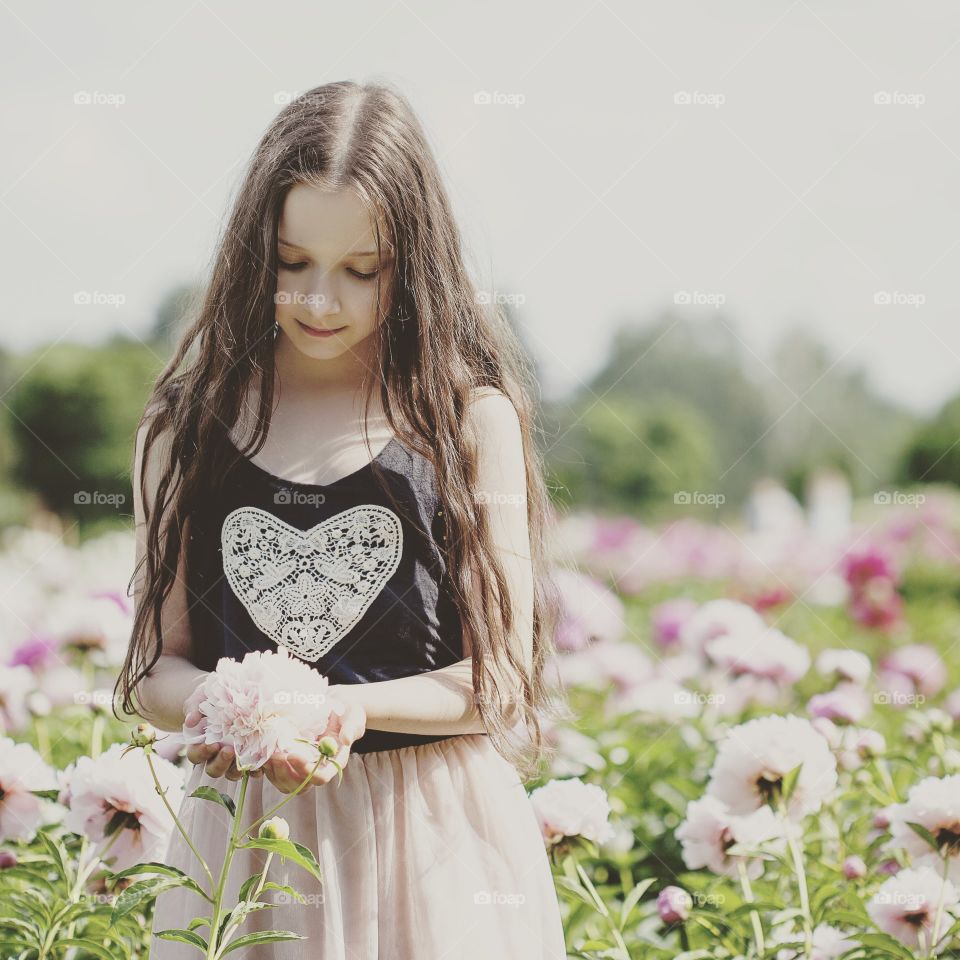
(450,342)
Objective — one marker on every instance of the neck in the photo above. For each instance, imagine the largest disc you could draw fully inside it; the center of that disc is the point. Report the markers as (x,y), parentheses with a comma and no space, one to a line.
(297,371)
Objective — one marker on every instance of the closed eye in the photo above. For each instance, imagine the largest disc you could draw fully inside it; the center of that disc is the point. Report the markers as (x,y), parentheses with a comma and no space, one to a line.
(294,267)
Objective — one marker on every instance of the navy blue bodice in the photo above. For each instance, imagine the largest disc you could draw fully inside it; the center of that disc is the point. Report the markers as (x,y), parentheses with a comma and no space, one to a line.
(346,579)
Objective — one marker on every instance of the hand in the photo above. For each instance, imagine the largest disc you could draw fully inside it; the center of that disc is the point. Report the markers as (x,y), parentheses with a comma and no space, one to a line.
(218,757)
(286,771)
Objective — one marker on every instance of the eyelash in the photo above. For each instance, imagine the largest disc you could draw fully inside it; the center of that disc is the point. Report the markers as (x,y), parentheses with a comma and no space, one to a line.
(298,266)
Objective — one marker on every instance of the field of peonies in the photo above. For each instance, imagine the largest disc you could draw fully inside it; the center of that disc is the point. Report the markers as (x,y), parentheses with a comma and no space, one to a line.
(762,759)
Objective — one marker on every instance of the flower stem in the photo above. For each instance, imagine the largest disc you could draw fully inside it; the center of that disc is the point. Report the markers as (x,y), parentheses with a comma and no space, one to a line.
(939,915)
(602,909)
(748,896)
(291,795)
(797,853)
(163,796)
(213,947)
(228,930)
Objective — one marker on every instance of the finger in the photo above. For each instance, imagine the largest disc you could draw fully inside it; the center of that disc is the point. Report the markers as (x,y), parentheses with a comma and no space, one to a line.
(352,724)
(220,764)
(328,770)
(201,752)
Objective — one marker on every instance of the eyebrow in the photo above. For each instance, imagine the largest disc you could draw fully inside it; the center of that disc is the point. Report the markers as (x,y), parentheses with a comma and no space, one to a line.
(364,253)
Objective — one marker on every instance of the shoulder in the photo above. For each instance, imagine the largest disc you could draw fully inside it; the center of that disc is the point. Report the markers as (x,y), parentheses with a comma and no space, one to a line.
(495,426)
(492,418)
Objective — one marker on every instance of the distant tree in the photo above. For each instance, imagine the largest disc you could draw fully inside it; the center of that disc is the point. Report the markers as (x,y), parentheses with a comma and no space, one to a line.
(679,364)
(825,413)
(933,454)
(74,411)
(630,457)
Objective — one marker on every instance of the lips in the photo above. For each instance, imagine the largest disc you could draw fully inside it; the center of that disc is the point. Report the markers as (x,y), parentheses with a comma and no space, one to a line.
(316,332)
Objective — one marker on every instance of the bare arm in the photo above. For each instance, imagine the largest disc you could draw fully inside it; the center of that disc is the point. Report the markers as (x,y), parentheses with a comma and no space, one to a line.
(442,702)
(174,676)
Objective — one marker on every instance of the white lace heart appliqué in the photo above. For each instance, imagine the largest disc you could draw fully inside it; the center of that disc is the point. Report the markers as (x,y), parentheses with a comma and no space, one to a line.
(306,589)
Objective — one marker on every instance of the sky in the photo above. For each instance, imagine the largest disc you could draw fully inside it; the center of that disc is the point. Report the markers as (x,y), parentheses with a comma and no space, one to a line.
(752,164)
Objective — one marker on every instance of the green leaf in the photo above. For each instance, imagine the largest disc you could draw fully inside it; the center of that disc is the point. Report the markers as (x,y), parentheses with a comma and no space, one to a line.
(288,849)
(164,870)
(28,928)
(138,892)
(789,782)
(283,888)
(199,922)
(91,946)
(209,793)
(922,831)
(239,912)
(265,936)
(574,887)
(886,943)
(184,936)
(58,852)
(632,899)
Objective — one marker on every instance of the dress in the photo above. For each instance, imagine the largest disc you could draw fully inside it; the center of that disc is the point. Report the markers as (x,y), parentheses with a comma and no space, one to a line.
(429,846)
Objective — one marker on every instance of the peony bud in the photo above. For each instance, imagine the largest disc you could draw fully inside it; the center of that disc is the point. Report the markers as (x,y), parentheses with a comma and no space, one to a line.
(328,746)
(854,868)
(673,904)
(143,735)
(276,828)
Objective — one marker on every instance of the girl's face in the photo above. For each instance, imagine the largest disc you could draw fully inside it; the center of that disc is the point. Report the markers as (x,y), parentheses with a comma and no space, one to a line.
(328,272)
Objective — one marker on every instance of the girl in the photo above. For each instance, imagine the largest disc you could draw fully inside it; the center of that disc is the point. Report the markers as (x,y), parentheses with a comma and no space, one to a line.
(342,374)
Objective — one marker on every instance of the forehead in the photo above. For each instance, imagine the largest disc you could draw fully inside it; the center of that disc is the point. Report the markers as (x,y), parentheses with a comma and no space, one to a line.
(328,222)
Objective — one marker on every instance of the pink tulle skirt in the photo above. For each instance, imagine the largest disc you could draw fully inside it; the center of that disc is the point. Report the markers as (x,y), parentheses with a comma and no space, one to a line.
(428,852)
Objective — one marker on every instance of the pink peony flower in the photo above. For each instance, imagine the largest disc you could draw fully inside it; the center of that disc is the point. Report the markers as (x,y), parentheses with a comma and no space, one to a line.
(906,905)
(921,663)
(591,611)
(113,800)
(754,757)
(667,620)
(571,808)
(878,605)
(861,566)
(23,770)
(259,706)
(847,702)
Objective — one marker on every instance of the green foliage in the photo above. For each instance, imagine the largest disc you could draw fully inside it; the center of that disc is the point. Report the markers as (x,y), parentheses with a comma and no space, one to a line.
(633,457)
(933,455)
(74,415)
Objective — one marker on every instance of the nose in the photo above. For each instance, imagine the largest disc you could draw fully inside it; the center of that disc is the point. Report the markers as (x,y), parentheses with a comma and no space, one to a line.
(321,299)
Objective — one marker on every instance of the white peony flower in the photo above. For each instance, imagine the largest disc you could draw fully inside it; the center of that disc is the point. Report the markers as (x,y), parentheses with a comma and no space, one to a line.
(934,803)
(850,665)
(23,770)
(710,829)
(906,905)
(259,706)
(754,757)
(113,800)
(718,618)
(766,653)
(571,808)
